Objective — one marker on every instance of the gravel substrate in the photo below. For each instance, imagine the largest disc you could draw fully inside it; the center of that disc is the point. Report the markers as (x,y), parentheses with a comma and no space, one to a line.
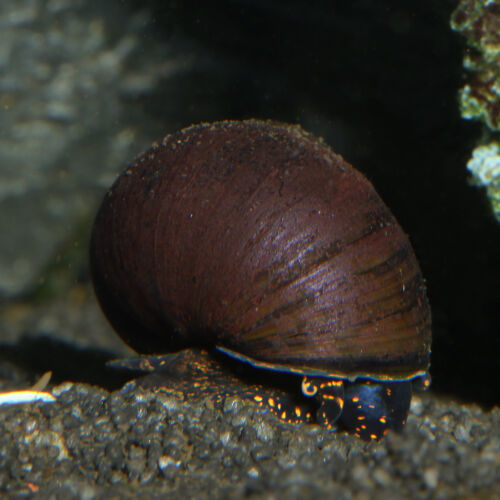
(92,443)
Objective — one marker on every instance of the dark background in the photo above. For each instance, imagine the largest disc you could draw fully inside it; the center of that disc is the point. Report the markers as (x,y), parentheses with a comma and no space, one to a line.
(379,81)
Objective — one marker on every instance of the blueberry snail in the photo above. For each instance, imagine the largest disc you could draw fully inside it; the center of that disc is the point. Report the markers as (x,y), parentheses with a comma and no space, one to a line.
(254,238)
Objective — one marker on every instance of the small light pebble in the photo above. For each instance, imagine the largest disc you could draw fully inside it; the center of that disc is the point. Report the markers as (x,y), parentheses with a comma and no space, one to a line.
(253,472)
(431,476)
(61,388)
(166,461)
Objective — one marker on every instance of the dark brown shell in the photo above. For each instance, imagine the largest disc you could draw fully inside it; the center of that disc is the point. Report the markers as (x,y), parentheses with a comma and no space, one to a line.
(256,237)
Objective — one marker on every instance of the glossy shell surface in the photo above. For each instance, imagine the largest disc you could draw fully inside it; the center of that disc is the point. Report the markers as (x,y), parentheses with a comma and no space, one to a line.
(257,238)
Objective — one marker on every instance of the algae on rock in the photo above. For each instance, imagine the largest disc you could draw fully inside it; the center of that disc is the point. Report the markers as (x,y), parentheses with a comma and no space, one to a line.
(485,168)
(479,22)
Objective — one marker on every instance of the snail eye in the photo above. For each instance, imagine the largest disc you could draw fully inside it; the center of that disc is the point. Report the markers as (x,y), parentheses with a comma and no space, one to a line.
(372,408)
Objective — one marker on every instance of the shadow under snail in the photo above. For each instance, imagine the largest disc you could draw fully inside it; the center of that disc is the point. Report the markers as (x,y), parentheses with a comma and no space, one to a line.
(254,238)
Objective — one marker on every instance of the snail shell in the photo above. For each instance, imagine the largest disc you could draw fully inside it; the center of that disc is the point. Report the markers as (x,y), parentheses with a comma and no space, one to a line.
(258,239)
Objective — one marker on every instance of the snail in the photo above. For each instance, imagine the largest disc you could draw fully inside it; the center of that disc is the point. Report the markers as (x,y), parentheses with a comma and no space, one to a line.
(255,239)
